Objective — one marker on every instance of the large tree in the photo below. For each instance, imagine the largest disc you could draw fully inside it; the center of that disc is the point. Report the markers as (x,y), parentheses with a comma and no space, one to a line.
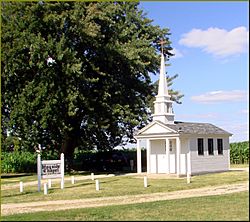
(77,73)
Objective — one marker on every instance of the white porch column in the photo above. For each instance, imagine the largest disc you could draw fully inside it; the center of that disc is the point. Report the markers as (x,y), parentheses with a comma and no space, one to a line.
(189,159)
(148,155)
(168,156)
(178,152)
(138,156)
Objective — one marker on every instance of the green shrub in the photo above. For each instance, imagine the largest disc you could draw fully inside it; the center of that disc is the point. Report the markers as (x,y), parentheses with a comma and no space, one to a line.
(18,162)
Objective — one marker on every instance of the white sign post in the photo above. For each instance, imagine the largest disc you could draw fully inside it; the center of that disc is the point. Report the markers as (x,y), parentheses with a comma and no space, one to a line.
(62,170)
(39,171)
(50,169)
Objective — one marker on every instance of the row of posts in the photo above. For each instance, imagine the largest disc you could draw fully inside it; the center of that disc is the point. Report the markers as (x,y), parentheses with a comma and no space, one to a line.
(97,183)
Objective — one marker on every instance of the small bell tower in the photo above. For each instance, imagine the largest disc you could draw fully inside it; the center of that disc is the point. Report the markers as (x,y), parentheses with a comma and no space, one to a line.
(163,106)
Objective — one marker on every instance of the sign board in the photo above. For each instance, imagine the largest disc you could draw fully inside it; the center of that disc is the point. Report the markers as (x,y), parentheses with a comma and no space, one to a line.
(50,169)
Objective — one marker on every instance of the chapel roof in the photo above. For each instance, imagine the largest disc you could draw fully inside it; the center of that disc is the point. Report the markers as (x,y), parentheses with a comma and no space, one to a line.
(183,128)
(196,128)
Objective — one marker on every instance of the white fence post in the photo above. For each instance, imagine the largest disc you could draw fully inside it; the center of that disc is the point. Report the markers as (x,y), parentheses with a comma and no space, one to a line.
(49,183)
(97,185)
(45,188)
(72,179)
(92,176)
(39,171)
(62,170)
(145,181)
(21,187)
(188,178)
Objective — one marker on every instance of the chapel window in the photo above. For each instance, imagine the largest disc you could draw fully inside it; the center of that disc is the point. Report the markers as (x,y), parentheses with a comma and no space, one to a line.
(210,147)
(220,146)
(200,146)
(170,146)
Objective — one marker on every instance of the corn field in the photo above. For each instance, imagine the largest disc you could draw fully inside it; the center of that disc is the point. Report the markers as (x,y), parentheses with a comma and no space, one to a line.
(239,152)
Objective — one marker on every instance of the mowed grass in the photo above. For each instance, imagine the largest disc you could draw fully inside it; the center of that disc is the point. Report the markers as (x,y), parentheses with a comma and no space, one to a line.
(239,165)
(113,186)
(230,207)
(14,179)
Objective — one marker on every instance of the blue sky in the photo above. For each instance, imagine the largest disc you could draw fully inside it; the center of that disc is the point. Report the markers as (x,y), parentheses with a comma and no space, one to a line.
(210,41)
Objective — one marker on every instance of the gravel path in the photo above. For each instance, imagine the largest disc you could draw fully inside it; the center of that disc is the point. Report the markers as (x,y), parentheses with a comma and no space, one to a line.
(16,208)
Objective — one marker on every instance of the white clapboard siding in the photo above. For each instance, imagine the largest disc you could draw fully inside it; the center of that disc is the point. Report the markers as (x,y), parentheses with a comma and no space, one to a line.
(209,163)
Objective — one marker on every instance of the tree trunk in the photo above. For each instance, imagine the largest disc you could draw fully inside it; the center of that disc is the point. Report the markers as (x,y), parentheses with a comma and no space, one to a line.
(68,147)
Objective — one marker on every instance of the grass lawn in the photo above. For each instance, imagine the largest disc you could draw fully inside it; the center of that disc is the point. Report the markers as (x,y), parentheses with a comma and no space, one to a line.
(113,186)
(224,207)
(239,165)
(228,207)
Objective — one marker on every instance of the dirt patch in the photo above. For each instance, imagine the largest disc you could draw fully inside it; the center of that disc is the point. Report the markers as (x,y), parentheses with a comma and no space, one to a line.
(7,209)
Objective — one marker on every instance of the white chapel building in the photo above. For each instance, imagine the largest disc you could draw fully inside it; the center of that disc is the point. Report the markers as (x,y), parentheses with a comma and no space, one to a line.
(174,147)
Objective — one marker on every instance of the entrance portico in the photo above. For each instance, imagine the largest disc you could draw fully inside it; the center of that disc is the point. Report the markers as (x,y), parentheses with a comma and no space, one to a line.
(163,156)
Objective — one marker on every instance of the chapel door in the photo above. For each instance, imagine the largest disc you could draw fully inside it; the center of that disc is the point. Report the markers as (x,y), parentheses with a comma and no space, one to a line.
(172,163)
(162,163)
(153,163)
(172,156)
(158,158)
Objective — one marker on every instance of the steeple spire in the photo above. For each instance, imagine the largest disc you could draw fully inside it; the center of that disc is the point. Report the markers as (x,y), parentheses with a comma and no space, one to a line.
(163,105)
(163,86)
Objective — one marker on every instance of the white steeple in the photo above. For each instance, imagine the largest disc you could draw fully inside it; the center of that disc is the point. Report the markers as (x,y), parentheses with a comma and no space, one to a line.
(163,105)
(163,87)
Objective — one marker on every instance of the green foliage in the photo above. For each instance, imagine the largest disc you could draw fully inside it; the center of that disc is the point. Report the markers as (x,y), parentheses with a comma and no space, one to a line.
(84,160)
(18,162)
(24,161)
(11,143)
(239,152)
(50,155)
(76,74)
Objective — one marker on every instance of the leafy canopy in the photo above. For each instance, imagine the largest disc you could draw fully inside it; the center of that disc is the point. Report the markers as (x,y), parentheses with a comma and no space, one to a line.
(76,73)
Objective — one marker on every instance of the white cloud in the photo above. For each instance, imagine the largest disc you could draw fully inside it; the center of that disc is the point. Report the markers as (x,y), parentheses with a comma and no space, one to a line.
(196,117)
(218,42)
(244,111)
(221,96)
(177,53)
(240,131)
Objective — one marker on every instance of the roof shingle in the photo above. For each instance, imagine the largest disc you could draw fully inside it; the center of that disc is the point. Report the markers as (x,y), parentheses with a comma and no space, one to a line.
(196,128)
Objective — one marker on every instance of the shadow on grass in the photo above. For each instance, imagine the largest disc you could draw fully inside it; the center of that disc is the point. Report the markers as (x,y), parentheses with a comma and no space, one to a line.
(86,173)
(74,185)
(20,194)
(77,184)
(16,175)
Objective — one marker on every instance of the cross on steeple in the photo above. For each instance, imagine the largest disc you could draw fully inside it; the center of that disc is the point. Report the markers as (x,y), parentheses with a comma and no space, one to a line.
(162,42)
(163,110)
